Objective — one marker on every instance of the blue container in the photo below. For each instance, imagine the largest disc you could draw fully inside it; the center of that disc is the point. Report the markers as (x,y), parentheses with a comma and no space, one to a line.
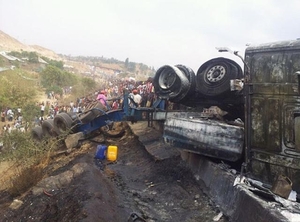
(101,152)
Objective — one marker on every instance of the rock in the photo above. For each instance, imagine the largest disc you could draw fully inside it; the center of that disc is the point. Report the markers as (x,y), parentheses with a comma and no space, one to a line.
(59,181)
(72,140)
(16,204)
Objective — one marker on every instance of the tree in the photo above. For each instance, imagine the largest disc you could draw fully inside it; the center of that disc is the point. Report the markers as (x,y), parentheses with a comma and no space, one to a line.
(33,57)
(126,63)
(88,83)
(53,78)
(30,111)
(58,64)
(15,93)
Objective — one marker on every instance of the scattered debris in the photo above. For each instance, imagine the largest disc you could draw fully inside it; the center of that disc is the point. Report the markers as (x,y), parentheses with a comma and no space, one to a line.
(218,217)
(135,217)
(48,194)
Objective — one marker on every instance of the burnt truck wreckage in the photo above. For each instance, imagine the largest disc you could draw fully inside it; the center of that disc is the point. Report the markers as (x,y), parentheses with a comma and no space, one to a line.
(251,117)
(259,117)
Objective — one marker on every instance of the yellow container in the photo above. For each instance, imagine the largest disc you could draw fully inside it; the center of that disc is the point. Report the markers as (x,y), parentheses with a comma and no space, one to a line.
(112,153)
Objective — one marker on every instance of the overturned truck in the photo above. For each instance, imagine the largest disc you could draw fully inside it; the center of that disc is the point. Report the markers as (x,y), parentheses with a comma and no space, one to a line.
(250,116)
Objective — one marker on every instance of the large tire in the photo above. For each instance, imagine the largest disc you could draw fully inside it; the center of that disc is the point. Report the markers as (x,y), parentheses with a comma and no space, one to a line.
(62,123)
(73,115)
(37,133)
(213,77)
(171,81)
(91,114)
(48,128)
(188,91)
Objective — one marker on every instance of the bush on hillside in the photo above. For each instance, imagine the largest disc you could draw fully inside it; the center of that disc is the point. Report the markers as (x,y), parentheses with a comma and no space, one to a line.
(58,64)
(53,78)
(15,91)
(31,56)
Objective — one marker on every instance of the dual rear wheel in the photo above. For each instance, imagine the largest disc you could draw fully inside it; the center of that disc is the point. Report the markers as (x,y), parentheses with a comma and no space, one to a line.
(62,123)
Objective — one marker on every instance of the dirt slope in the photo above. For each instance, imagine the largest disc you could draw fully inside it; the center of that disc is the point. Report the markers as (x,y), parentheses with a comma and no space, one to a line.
(81,188)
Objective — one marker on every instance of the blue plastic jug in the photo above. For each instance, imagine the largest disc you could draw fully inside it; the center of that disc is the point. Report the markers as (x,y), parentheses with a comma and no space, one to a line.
(101,152)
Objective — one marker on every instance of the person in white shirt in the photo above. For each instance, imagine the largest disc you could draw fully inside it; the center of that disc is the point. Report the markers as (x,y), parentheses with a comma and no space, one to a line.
(42,109)
(137,98)
(10,115)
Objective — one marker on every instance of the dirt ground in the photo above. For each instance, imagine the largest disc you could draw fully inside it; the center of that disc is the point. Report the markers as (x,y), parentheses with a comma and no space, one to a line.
(82,188)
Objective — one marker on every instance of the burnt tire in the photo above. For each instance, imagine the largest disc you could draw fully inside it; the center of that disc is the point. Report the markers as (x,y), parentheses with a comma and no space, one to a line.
(171,81)
(213,77)
(62,123)
(37,133)
(48,128)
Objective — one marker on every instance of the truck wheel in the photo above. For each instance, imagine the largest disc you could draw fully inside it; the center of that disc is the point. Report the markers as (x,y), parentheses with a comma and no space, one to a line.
(37,133)
(48,128)
(213,77)
(72,115)
(62,123)
(185,90)
(170,81)
(88,116)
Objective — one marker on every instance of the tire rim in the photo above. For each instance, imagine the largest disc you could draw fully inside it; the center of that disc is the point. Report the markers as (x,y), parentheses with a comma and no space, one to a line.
(216,73)
(167,78)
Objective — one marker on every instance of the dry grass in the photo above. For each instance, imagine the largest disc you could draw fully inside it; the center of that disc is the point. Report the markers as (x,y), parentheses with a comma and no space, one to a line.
(24,178)
(24,162)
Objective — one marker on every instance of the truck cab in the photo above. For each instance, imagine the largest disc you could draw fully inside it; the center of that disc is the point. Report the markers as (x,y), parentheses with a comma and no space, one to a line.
(272,117)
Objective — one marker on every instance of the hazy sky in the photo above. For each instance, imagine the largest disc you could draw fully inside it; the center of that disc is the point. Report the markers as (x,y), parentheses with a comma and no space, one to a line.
(153,32)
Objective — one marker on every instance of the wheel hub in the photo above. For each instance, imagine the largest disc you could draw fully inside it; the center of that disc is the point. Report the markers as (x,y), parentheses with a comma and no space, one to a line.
(166,79)
(216,73)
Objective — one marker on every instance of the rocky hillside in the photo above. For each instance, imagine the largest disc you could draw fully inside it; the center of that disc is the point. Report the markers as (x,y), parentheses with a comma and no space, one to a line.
(80,64)
(8,43)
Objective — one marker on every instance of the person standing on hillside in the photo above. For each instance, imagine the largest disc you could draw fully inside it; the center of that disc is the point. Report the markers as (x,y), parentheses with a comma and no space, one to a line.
(10,114)
(42,106)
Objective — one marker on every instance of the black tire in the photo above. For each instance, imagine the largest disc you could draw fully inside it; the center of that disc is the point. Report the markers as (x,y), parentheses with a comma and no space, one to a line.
(37,133)
(188,90)
(62,123)
(170,81)
(213,77)
(48,128)
(72,115)
(88,116)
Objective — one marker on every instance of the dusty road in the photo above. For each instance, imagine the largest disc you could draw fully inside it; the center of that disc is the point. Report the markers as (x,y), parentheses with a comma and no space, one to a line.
(82,188)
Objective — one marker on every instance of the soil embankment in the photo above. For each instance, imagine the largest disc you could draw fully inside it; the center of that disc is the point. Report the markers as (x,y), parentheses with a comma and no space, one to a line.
(82,188)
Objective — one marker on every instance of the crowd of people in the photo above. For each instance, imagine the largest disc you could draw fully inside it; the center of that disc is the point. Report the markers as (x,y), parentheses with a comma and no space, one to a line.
(141,94)
(13,120)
